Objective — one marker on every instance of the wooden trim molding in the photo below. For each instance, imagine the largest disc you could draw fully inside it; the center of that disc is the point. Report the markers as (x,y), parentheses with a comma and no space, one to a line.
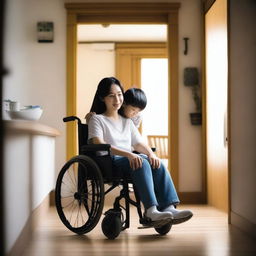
(173,134)
(126,12)
(128,60)
(71,83)
(192,197)
(129,13)
(203,93)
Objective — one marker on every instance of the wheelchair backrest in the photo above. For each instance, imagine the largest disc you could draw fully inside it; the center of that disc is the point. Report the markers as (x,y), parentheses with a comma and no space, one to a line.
(82,131)
(82,135)
(104,162)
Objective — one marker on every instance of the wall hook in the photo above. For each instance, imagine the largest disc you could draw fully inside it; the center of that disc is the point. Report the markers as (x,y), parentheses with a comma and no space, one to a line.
(186,45)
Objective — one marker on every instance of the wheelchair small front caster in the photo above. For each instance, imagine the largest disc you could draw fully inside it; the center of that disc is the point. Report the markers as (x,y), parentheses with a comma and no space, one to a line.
(111,224)
(164,229)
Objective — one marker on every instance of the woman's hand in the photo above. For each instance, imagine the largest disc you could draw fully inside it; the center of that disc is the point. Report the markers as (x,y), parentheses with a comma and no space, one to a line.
(135,161)
(154,161)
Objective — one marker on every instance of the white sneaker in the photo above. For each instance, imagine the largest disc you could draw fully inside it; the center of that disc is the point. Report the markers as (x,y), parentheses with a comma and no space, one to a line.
(155,215)
(179,216)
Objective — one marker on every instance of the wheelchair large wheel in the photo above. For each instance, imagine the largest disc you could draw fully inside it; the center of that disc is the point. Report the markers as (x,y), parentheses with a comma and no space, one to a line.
(80,194)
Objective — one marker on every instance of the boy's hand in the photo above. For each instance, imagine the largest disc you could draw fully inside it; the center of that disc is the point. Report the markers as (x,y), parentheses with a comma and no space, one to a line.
(154,161)
(88,116)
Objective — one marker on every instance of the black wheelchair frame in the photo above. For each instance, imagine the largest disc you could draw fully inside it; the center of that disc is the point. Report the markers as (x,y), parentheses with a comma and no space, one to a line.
(80,191)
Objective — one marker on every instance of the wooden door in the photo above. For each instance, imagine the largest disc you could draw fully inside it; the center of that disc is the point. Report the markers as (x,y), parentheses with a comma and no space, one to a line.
(216,104)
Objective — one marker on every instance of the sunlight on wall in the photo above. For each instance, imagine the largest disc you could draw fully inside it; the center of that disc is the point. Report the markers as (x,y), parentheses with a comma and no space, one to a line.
(154,81)
(216,74)
(90,56)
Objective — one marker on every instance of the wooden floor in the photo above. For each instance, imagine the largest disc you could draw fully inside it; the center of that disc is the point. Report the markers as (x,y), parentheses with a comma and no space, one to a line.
(207,233)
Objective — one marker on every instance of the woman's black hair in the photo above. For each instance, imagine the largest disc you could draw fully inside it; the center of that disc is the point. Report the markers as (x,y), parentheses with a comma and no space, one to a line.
(136,98)
(103,89)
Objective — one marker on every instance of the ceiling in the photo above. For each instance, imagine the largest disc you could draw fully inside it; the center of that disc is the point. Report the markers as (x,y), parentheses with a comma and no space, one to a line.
(122,33)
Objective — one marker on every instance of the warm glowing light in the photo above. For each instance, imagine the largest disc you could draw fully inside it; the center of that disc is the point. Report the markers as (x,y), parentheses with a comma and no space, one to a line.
(154,81)
(216,80)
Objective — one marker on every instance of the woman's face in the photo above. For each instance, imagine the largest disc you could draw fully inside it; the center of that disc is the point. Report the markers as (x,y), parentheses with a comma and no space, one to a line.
(114,99)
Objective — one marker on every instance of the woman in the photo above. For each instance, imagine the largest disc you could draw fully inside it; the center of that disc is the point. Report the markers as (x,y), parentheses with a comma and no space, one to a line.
(135,101)
(149,175)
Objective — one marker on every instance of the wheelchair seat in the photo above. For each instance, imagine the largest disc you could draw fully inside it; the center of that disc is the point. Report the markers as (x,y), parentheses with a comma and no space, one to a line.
(80,191)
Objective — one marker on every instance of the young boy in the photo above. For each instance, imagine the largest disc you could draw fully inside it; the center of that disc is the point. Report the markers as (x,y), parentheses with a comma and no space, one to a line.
(135,101)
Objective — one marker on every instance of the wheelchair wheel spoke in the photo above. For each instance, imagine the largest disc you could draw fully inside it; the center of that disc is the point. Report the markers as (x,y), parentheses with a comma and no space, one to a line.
(67,190)
(67,205)
(72,179)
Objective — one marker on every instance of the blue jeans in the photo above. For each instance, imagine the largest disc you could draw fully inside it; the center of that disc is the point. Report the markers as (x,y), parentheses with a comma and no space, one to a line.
(154,186)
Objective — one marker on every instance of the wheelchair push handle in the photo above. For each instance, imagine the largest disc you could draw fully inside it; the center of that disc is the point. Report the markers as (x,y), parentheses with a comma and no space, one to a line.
(71,118)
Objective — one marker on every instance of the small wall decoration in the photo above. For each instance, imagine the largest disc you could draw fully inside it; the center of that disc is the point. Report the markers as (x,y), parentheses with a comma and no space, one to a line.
(45,32)
(191,79)
(185,45)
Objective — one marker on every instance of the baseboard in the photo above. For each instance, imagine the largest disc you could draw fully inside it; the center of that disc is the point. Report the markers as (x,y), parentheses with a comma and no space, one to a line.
(27,232)
(52,198)
(192,197)
(243,224)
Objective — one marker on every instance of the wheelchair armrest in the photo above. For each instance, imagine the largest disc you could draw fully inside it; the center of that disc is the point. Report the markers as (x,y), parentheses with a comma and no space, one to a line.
(96,147)
(136,152)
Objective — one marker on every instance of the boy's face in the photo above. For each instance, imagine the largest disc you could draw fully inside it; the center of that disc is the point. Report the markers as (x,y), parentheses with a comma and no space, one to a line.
(130,111)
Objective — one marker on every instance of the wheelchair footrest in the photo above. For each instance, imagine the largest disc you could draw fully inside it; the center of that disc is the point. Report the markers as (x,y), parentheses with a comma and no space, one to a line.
(147,223)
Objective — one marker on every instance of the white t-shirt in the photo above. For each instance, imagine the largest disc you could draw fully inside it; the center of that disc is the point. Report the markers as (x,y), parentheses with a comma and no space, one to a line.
(121,133)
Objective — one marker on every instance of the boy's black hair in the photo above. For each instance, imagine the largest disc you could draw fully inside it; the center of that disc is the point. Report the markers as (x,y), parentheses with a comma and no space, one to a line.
(136,98)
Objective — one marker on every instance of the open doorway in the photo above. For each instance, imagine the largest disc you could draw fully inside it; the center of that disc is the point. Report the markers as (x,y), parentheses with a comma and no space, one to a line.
(126,13)
(101,52)
(136,54)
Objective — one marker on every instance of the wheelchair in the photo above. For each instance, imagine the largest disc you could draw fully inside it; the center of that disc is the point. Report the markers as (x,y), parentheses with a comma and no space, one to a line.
(80,191)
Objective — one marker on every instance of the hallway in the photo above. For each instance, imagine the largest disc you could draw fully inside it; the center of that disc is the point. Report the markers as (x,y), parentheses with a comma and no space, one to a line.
(206,234)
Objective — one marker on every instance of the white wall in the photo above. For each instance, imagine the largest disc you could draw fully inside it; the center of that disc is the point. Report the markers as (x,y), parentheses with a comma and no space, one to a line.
(37,71)
(190,176)
(93,63)
(243,108)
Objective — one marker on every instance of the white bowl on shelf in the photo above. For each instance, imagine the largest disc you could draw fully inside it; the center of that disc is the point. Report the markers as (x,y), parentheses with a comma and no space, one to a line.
(26,114)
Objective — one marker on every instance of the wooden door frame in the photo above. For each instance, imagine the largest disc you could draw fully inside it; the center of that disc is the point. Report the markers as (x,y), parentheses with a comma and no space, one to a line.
(126,13)
(131,53)
(128,63)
